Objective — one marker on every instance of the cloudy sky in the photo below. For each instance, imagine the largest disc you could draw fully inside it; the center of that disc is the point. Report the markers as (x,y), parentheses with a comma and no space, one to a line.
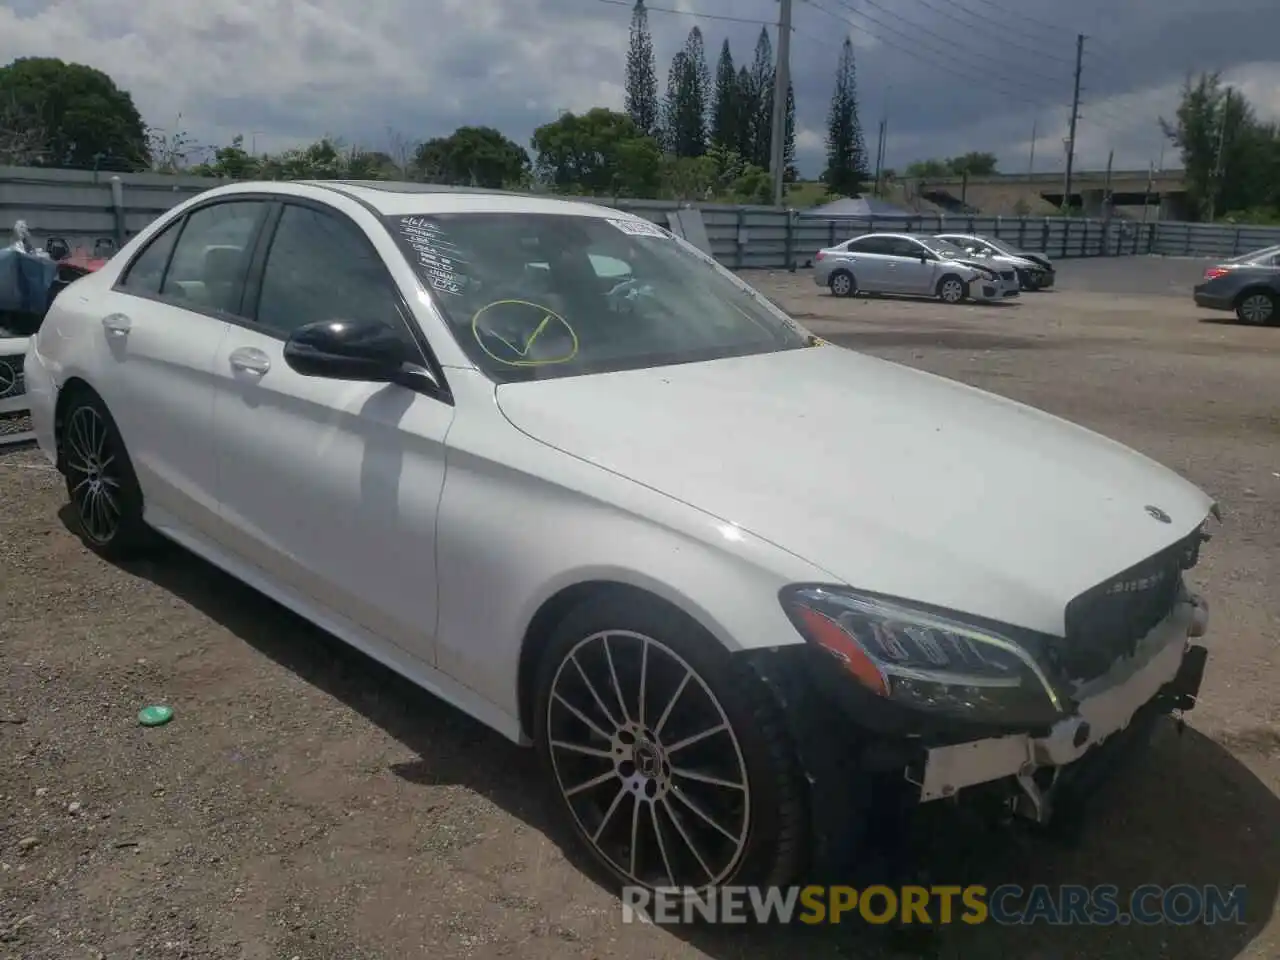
(956,75)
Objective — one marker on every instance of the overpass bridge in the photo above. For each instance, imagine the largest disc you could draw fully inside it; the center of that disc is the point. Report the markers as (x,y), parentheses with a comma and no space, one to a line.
(1163,192)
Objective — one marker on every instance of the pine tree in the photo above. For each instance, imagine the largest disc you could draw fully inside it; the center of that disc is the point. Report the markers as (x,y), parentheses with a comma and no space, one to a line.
(759,101)
(745,115)
(846,151)
(642,74)
(725,125)
(790,174)
(688,87)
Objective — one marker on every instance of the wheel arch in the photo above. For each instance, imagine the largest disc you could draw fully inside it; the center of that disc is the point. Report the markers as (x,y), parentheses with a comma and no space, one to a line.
(1253,289)
(557,606)
(74,386)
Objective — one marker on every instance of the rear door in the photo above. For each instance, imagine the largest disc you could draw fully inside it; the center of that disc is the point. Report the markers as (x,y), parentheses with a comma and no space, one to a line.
(162,324)
(331,487)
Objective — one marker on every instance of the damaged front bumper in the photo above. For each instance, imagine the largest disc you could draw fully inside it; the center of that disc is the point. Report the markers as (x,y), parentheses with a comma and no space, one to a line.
(868,773)
(1163,677)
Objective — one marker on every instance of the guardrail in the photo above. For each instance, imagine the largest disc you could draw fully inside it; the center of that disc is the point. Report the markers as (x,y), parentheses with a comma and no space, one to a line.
(104,210)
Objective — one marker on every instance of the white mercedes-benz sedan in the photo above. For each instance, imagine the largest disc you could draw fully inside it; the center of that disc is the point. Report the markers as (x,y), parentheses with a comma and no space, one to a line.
(743,590)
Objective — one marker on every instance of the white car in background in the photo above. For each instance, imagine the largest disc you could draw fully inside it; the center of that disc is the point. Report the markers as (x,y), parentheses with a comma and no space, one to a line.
(1033,270)
(558,467)
(907,264)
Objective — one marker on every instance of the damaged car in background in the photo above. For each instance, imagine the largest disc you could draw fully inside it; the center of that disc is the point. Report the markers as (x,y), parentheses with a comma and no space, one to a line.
(560,468)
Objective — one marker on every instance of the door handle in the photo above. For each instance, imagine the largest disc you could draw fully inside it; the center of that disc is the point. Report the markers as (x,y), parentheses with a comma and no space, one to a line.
(117,325)
(250,360)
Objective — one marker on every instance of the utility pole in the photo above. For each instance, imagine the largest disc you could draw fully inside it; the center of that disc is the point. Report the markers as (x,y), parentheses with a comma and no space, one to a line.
(1075,114)
(1216,177)
(1031,161)
(879,158)
(1106,187)
(1146,197)
(781,80)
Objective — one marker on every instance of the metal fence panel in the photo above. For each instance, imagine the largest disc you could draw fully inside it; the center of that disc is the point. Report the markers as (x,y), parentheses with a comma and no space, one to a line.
(81,207)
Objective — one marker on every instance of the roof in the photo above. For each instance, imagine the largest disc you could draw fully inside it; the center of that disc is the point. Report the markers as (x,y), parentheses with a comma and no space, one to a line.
(858,208)
(394,198)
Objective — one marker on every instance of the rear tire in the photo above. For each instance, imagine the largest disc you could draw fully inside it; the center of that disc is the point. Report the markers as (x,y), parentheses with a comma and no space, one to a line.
(951,289)
(101,483)
(1258,307)
(631,780)
(842,284)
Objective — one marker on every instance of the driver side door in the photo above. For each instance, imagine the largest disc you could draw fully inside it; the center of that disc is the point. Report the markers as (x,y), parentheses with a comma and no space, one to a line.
(330,487)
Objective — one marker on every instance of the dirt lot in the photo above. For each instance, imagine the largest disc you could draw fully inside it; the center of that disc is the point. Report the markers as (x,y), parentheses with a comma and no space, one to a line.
(306,804)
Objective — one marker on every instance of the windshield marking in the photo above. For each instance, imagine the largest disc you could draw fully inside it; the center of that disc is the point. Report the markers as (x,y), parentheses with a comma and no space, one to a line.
(523,352)
(640,228)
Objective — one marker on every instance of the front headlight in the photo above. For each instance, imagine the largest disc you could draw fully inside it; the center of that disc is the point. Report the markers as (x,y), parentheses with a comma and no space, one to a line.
(924,660)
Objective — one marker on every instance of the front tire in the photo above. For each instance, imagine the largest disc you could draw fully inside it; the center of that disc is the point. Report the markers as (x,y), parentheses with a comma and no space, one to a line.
(101,483)
(668,758)
(1258,307)
(842,284)
(951,289)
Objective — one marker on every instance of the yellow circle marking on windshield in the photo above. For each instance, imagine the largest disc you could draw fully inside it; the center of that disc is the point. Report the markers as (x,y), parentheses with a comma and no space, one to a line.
(547,318)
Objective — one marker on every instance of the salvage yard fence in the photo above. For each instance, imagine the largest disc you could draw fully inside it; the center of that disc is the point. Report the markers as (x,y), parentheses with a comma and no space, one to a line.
(97,212)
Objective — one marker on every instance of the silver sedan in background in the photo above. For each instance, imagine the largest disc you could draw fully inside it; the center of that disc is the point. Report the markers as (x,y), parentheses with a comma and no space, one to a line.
(1035,270)
(900,263)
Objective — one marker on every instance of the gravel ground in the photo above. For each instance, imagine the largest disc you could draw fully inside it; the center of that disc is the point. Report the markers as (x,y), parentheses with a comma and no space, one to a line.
(306,804)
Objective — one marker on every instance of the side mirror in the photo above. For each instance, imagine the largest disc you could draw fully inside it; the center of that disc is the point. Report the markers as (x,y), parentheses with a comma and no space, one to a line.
(349,350)
(924,256)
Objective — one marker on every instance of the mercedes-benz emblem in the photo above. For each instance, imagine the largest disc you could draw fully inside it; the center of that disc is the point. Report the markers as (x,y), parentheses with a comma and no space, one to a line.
(1157,514)
(8,379)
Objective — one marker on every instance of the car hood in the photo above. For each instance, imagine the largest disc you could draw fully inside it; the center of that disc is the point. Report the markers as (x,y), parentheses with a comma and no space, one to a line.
(891,480)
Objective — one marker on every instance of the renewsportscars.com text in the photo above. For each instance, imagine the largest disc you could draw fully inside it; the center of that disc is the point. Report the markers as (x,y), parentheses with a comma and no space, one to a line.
(1008,904)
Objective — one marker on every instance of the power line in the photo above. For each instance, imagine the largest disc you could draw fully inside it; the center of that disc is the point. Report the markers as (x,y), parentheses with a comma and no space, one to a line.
(1016,81)
(986,23)
(690,13)
(913,48)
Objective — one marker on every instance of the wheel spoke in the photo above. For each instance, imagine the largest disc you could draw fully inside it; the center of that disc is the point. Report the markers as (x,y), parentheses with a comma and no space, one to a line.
(592,688)
(635,834)
(688,841)
(662,720)
(706,778)
(583,749)
(662,846)
(697,737)
(617,687)
(581,716)
(702,814)
(644,677)
(593,782)
(608,814)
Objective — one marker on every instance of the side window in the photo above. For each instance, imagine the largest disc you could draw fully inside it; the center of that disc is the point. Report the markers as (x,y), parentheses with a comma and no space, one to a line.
(211,260)
(320,267)
(869,245)
(147,270)
(902,247)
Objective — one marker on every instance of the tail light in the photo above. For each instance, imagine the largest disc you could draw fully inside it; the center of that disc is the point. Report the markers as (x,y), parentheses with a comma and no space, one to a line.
(819,255)
(1213,273)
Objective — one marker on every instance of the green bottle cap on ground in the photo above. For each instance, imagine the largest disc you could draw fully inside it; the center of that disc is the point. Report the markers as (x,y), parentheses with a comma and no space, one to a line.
(155,715)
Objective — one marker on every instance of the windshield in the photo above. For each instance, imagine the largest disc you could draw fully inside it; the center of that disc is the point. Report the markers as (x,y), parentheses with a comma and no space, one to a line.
(945,249)
(534,296)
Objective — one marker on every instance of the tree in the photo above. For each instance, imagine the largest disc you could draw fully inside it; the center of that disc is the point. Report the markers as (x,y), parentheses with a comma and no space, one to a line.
(688,88)
(974,164)
(82,117)
(726,112)
(473,157)
(790,174)
(758,102)
(846,152)
(746,114)
(598,152)
(1231,160)
(232,162)
(642,74)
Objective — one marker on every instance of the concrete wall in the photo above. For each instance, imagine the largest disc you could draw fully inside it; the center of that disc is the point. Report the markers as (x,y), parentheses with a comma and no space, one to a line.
(85,208)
